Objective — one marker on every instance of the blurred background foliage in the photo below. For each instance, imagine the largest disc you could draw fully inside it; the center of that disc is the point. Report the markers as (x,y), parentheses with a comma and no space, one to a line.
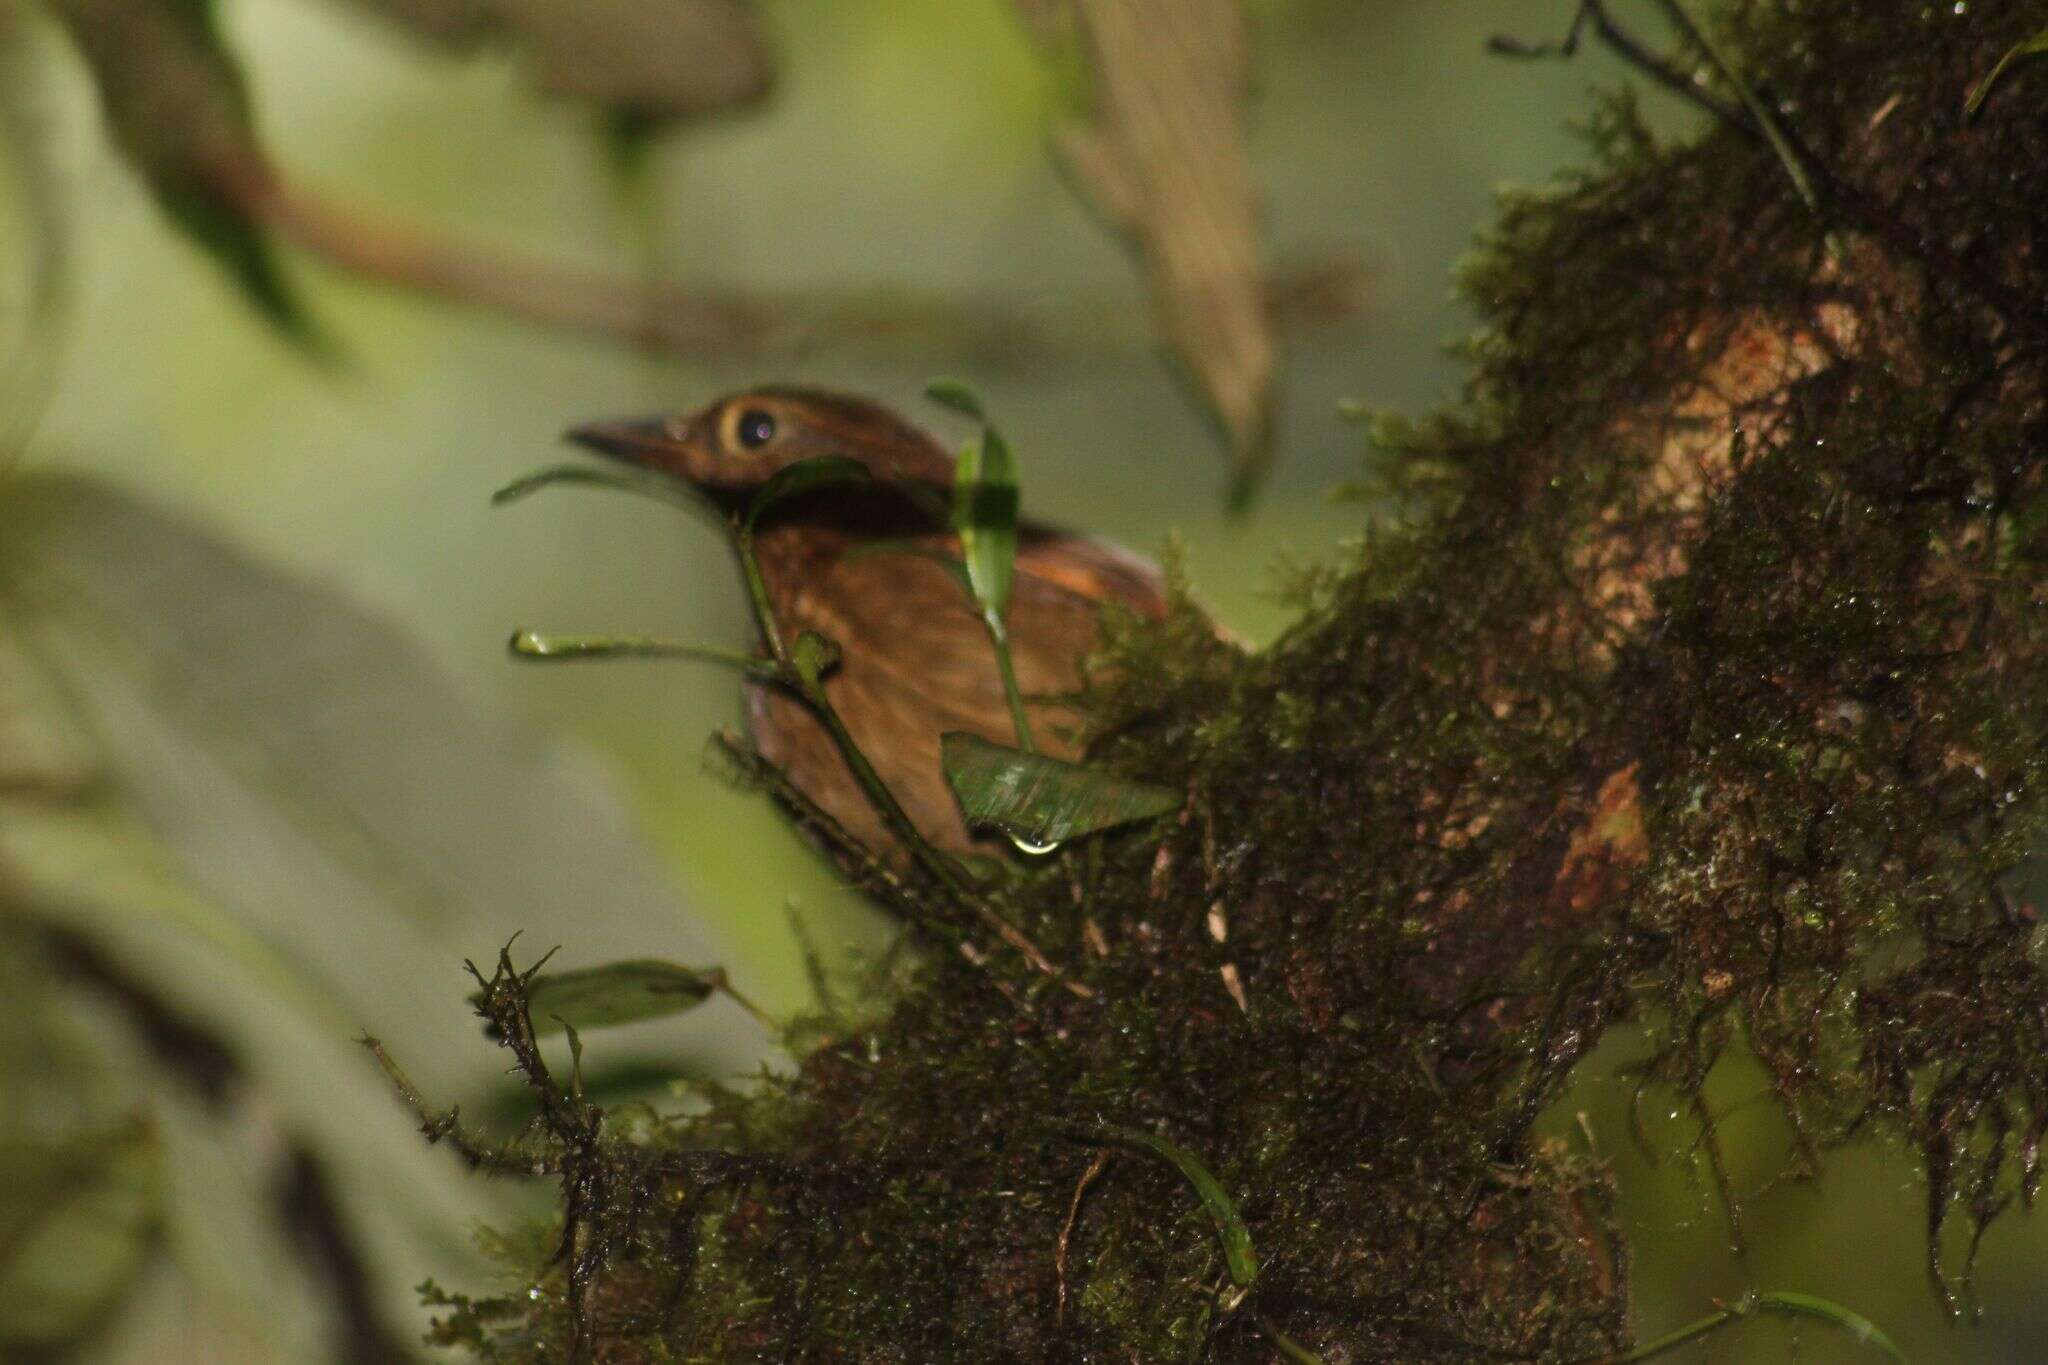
(266,773)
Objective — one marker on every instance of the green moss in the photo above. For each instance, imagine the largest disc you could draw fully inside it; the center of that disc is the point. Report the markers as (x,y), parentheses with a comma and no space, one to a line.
(1820,656)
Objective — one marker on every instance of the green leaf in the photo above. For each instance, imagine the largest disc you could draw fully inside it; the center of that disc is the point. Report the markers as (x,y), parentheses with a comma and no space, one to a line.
(38,222)
(1042,800)
(627,479)
(287,823)
(241,707)
(175,103)
(954,394)
(2030,47)
(1286,1345)
(1238,1255)
(1783,1302)
(805,476)
(985,504)
(532,644)
(1862,1329)
(78,1222)
(244,250)
(618,993)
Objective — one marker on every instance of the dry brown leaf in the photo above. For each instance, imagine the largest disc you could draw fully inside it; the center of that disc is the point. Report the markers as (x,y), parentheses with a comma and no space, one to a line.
(1161,154)
(657,58)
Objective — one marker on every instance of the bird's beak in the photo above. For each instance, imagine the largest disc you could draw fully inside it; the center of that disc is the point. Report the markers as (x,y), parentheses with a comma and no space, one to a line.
(650,443)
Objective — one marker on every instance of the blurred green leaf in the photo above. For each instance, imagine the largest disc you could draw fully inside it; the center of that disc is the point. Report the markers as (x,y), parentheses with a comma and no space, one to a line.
(44,752)
(298,828)
(806,476)
(2030,47)
(985,505)
(78,1221)
(617,993)
(33,204)
(629,138)
(1043,800)
(955,395)
(313,763)
(178,110)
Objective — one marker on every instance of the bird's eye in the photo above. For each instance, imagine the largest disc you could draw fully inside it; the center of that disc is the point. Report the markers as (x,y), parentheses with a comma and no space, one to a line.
(755,428)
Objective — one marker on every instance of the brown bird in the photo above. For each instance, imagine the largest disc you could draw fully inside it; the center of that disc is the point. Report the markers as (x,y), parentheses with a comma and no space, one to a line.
(857,565)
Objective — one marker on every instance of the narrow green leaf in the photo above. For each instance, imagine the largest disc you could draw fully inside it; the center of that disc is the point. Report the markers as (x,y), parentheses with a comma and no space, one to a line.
(1855,1324)
(1230,1229)
(955,395)
(2030,47)
(1043,800)
(244,251)
(531,644)
(1785,1302)
(575,1058)
(617,993)
(1286,1345)
(823,471)
(984,516)
(624,479)
(985,504)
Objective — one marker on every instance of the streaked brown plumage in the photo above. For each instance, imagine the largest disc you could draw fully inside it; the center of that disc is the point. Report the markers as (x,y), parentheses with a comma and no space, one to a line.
(915,658)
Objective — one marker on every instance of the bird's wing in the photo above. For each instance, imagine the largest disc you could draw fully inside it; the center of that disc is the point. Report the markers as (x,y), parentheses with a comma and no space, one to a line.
(1092,569)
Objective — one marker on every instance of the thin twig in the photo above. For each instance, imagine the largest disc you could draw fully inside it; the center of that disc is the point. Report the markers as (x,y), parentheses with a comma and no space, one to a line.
(1790,156)
(1631,50)
(683,320)
(440,1127)
(1059,1257)
(868,868)
(721,981)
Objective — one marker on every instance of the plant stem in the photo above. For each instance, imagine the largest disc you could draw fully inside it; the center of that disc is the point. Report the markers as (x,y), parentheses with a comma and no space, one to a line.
(1766,121)
(812,692)
(757,592)
(999,636)
(936,863)
(527,644)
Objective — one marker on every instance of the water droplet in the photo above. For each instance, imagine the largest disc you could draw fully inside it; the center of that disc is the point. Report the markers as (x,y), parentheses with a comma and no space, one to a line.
(1035,850)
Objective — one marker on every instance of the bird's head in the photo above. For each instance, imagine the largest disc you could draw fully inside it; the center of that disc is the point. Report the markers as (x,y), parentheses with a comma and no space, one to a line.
(733,446)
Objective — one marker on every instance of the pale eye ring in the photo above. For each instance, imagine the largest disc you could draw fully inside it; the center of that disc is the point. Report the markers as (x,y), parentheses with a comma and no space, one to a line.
(754,428)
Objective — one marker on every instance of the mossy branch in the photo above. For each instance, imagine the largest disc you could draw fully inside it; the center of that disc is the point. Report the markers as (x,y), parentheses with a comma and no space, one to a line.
(1707,690)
